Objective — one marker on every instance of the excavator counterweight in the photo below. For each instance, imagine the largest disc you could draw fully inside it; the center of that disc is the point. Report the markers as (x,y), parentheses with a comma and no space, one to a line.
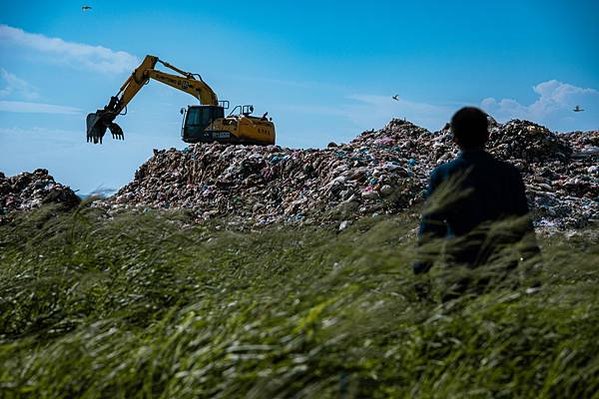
(202,123)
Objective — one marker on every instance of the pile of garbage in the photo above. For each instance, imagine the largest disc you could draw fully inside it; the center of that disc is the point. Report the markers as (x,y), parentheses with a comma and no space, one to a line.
(379,172)
(27,191)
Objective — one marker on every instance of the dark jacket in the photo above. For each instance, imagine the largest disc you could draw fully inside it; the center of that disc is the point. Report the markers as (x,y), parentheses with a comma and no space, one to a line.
(485,190)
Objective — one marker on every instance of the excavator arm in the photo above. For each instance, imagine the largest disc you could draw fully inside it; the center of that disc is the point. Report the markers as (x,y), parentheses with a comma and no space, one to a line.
(103,119)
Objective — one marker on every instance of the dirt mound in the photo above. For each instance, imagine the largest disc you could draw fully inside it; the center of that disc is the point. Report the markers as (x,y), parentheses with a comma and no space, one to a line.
(26,191)
(379,172)
(526,141)
(269,184)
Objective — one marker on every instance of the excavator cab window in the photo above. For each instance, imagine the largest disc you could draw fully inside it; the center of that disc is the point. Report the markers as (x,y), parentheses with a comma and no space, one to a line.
(198,119)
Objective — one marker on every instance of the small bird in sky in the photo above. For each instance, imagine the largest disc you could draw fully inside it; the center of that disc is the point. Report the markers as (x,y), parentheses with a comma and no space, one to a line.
(396,97)
(85,8)
(578,109)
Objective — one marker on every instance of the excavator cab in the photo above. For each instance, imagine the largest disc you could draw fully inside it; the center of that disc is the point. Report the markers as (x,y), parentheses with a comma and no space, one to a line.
(197,123)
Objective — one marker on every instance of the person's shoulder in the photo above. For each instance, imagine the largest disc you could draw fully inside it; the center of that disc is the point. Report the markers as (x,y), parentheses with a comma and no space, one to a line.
(449,166)
(444,171)
(441,170)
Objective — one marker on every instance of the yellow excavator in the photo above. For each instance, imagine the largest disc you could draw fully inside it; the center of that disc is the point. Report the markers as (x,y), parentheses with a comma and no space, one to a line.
(201,123)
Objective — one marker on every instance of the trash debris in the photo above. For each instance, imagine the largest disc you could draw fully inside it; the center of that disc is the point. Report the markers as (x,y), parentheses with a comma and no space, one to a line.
(344,225)
(27,191)
(379,172)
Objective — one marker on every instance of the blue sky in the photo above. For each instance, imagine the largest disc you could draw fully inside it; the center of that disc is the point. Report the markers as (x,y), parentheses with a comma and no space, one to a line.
(325,71)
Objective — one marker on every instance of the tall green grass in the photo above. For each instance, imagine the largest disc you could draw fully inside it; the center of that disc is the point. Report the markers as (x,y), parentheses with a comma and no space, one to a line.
(150,305)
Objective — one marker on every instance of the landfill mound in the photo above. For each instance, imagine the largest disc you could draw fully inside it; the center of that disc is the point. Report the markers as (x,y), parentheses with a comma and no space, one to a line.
(379,172)
(27,191)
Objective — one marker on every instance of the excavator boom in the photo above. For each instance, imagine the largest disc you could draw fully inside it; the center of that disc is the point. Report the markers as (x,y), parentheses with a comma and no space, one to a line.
(103,119)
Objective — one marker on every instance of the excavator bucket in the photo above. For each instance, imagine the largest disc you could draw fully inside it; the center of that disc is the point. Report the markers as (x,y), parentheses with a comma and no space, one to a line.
(98,122)
(95,128)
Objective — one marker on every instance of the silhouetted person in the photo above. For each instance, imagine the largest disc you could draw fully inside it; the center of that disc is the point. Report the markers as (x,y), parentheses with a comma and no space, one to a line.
(469,195)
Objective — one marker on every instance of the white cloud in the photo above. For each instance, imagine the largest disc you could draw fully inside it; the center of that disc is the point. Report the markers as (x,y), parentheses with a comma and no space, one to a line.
(15,86)
(38,108)
(77,55)
(553,106)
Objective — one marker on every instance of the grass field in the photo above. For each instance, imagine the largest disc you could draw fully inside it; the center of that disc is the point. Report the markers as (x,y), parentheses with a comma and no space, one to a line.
(145,305)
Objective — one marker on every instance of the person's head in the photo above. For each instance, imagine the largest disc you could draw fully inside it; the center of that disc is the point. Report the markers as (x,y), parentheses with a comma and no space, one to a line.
(470,128)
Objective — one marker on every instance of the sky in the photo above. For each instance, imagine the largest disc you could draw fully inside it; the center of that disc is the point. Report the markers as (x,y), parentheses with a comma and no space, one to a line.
(325,71)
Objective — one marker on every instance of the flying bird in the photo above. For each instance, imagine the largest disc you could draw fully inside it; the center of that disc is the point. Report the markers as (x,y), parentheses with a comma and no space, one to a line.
(85,8)
(396,97)
(578,109)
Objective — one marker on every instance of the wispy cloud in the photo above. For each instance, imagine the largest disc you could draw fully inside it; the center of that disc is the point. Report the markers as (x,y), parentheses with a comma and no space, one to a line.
(358,112)
(17,87)
(373,111)
(38,108)
(77,55)
(289,83)
(553,105)
(37,135)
